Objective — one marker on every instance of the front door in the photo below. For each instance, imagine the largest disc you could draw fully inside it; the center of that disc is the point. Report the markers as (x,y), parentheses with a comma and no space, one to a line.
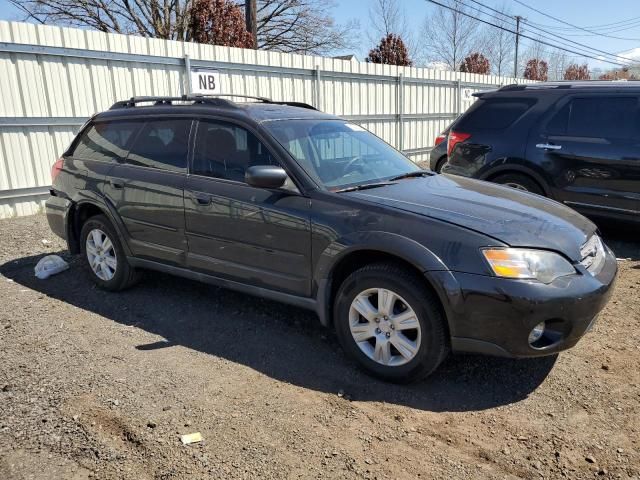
(256,236)
(147,190)
(592,145)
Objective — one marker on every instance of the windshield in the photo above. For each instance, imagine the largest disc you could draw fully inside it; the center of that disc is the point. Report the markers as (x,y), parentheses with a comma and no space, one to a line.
(338,154)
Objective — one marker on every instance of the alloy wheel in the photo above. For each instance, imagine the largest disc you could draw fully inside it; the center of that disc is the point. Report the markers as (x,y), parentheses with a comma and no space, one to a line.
(101,254)
(385,327)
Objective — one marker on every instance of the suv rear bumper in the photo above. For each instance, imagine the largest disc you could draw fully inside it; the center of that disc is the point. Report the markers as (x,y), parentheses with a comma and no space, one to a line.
(57,209)
(494,316)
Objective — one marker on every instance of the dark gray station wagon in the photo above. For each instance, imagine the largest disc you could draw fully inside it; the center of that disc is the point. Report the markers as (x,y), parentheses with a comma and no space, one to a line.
(285,202)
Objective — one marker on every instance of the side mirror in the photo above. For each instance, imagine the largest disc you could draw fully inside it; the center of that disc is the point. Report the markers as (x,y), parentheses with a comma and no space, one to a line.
(265,176)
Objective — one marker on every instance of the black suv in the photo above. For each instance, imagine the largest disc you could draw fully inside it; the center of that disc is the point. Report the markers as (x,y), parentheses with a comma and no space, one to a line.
(285,202)
(575,142)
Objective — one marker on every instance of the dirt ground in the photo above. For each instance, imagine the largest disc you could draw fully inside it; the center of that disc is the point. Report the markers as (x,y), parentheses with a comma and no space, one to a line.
(101,385)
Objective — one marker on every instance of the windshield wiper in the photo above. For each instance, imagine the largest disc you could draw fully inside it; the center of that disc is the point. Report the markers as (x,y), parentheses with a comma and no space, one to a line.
(364,186)
(417,173)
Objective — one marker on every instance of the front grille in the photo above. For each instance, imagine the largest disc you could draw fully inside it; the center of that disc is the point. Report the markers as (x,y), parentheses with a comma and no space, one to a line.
(592,255)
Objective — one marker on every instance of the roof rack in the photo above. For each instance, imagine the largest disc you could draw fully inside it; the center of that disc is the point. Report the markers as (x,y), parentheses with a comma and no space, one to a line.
(214,99)
(566,84)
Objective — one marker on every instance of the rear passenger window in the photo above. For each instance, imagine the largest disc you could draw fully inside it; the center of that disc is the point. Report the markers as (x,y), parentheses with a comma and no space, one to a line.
(597,117)
(106,141)
(162,144)
(494,114)
(223,150)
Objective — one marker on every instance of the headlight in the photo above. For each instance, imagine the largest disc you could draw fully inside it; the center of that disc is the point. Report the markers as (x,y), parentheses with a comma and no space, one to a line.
(527,263)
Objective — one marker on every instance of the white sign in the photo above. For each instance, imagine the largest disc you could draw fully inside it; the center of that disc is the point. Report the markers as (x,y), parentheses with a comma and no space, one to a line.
(467,94)
(205,82)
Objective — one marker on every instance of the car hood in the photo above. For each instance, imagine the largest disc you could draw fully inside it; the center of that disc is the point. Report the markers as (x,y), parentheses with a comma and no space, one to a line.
(514,217)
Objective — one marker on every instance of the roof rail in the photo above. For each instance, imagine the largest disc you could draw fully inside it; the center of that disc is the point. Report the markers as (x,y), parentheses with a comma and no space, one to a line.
(570,84)
(214,99)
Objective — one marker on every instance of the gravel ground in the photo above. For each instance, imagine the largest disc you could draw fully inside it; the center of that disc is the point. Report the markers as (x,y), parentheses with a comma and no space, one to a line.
(101,385)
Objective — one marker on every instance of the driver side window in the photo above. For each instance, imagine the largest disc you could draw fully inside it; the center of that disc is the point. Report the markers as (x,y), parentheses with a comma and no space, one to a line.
(224,150)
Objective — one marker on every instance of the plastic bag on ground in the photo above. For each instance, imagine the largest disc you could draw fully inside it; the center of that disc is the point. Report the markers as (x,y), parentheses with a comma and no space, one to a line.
(50,265)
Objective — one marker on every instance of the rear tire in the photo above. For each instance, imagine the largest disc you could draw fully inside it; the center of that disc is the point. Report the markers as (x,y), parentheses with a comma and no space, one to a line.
(519,182)
(401,340)
(440,163)
(104,256)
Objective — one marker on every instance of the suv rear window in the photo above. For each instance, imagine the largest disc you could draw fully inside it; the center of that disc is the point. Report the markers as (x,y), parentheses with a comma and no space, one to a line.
(106,141)
(597,117)
(494,113)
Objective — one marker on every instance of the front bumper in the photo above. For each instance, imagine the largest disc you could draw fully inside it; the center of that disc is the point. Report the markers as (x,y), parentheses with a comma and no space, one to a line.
(495,315)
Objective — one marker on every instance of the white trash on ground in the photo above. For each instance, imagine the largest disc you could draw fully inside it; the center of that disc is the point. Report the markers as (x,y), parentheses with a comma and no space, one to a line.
(191,438)
(50,265)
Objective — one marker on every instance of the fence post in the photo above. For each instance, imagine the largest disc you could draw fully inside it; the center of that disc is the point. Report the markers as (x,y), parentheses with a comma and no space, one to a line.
(459,86)
(187,74)
(318,83)
(400,112)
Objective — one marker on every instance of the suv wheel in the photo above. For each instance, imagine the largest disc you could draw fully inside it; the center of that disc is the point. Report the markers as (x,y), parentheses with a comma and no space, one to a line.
(390,323)
(104,255)
(519,182)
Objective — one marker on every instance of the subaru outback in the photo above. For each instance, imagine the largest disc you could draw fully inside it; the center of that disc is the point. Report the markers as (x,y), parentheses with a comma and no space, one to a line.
(282,201)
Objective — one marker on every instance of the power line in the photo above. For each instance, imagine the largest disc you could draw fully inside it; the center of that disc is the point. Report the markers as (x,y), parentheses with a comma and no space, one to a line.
(526,36)
(580,46)
(566,23)
(604,26)
(598,34)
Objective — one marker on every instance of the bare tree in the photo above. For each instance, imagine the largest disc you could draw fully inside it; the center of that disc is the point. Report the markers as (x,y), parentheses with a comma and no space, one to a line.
(559,61)
(534,49)
(500,44)
(166,19)
(387,17)
(449,35)
(300,26)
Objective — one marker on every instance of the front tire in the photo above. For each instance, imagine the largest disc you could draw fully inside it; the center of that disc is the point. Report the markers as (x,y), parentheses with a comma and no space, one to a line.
(390,323)
(104,256)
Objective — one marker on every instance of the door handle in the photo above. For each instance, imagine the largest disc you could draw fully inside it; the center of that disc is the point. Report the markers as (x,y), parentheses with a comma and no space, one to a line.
(548,146)
(202,199)
(117,184)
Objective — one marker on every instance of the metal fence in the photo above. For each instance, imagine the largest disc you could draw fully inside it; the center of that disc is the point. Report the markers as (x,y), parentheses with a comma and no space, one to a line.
(52,79)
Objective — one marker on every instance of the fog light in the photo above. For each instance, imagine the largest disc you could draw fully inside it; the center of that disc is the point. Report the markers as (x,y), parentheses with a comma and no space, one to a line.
(536,333)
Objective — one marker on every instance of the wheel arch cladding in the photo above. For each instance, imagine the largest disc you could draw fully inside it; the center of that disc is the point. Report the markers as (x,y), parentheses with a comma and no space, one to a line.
(346,255)
(85,208)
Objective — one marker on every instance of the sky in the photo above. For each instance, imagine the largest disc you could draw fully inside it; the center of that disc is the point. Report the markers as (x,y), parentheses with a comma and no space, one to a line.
(577,12)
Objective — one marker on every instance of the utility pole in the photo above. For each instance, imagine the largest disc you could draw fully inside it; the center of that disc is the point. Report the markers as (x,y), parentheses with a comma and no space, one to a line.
(250,12)
(515,61)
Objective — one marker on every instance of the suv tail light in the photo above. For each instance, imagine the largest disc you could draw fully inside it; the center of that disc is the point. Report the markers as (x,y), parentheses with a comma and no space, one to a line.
(454,138)
(440,138)
(56,168)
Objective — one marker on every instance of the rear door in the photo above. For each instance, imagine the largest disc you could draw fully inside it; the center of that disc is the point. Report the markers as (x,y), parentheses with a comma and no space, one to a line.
(591,144)
(147,189)
(252,235)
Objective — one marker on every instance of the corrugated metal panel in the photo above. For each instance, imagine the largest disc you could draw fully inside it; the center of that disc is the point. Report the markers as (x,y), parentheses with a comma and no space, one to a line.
(53,78)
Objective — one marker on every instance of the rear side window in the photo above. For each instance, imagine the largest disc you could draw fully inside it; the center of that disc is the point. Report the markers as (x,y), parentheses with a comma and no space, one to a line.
(494,114)
(162,144)
(597,117)
(106,141)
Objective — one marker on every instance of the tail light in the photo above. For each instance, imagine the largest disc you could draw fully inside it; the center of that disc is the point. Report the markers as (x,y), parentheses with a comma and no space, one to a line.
(56,168)
(454,138)
(440,138)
